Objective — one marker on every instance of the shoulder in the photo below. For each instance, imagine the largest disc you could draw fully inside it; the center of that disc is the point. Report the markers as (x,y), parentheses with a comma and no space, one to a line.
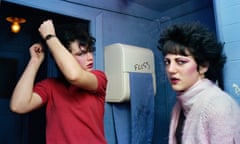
(99,74)
(220,104)
(49,83)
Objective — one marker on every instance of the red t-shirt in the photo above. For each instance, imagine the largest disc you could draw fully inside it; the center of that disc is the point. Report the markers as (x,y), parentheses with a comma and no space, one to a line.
(74,115)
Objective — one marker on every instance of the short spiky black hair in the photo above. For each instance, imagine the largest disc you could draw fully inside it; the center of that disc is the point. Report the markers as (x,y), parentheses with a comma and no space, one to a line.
(199,41)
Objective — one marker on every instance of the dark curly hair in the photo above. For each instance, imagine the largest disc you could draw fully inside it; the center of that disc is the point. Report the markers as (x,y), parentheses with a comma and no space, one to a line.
(199,42)
(68,33)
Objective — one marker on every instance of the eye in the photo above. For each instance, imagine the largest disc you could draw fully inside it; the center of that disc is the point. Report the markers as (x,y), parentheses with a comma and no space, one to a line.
(181,62)
(81,53)
(166,61)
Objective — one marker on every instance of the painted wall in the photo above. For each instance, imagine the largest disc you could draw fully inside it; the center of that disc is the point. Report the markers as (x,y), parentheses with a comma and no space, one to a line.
(228,29)
(114,21)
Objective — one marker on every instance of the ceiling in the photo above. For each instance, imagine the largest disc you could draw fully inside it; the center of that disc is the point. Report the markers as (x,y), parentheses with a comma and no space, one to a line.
(160,5)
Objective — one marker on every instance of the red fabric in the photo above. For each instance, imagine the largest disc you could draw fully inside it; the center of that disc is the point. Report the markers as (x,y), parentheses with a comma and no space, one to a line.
(74,115)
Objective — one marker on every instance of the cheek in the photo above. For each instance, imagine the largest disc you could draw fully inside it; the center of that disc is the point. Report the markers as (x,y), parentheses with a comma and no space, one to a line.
(79,59)
(191,70)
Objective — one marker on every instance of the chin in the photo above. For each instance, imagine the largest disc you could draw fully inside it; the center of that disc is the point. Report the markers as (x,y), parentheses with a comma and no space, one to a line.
(177,89)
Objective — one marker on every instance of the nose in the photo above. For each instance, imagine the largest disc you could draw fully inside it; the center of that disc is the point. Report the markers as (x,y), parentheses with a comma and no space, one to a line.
(171,68)
(89,56)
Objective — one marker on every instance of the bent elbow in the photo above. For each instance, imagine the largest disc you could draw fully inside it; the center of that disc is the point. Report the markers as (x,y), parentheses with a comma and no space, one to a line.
(16,109)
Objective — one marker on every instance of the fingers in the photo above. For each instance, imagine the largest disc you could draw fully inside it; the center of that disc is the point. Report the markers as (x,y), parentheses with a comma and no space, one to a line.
(46,28)
(36,48)
(37,52)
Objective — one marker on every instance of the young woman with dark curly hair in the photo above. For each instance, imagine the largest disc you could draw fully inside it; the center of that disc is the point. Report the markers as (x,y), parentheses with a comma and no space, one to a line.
(203,113)
(75,101)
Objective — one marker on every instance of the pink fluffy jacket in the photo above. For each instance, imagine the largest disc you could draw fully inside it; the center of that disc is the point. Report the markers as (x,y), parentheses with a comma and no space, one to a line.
(212,116)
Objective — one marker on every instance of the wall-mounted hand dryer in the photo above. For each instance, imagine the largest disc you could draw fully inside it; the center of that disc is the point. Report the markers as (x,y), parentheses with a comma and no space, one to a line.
(120,60)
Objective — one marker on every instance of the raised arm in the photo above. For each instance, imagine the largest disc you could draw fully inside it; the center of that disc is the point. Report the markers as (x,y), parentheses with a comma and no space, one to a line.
(23,99)
(65,60)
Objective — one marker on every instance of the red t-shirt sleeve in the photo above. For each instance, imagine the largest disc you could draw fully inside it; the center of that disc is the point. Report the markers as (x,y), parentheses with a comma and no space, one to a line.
(42,88)
(102,82)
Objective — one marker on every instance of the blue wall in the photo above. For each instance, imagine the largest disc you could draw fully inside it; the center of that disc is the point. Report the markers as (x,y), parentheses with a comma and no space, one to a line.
(114,21)
(228,29)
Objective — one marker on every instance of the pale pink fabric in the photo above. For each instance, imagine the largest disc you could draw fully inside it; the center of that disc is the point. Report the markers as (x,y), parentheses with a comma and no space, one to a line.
(212,116)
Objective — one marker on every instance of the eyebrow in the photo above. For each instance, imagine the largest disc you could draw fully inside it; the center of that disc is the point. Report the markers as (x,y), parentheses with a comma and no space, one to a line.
(180,57)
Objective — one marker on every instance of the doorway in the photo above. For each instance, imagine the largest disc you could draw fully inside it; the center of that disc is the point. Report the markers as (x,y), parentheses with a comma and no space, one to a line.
(14,55)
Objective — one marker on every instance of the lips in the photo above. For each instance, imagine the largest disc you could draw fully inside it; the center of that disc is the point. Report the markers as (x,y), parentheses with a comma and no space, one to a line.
(90,65)
(174,80)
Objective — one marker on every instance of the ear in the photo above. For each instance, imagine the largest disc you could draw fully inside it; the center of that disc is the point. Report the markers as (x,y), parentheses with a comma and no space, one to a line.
(203,68)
